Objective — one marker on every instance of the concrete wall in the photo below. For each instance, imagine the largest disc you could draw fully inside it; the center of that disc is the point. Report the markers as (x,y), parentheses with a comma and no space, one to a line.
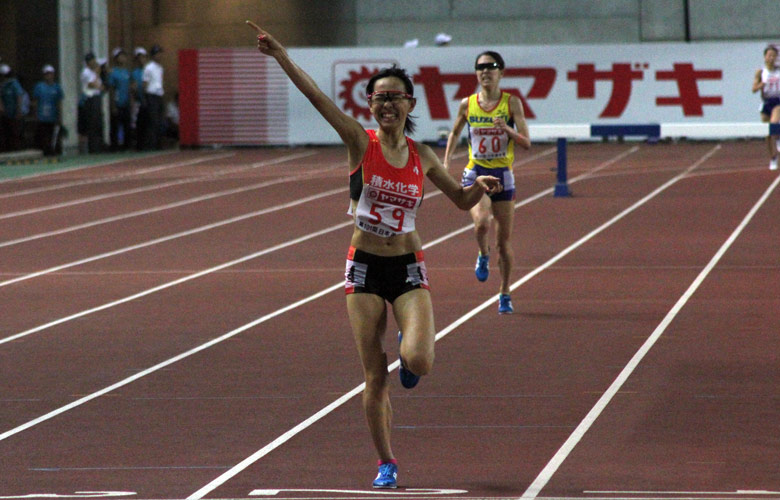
(176,24)
(734,19)
(518,22)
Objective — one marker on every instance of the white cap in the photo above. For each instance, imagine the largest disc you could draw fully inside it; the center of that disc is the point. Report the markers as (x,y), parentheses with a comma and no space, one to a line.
(410,44)
(117,51)
(102,60)
(5,69)
(139,51)
(48,69)
(443,39)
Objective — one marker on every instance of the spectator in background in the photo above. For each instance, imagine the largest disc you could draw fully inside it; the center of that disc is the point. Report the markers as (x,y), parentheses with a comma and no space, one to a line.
(153,95)
(103,63)
(138,105)
(91,112)
(119,90)
(47,102)
(172,118)
(11,96)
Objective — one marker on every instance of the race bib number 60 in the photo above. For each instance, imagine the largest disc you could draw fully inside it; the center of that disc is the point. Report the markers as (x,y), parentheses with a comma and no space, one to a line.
(488,143)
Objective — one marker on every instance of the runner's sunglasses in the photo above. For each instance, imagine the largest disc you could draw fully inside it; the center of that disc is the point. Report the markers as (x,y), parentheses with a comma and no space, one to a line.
(488,66)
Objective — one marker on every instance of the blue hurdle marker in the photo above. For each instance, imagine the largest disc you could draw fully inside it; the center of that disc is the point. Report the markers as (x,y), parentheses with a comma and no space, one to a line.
(653,131)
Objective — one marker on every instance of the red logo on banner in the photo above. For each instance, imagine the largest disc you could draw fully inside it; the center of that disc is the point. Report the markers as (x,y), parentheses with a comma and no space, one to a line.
(353,91)
(686,77)
(352,78)
(433,82)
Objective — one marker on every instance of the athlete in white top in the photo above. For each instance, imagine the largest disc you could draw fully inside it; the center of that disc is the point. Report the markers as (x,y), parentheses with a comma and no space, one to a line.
(767,80)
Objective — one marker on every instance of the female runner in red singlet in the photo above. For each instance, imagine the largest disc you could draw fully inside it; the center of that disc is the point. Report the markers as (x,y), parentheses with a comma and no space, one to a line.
(385,261)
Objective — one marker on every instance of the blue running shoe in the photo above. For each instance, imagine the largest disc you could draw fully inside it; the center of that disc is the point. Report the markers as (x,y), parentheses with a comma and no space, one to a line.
(388,473)
(505,304)
(408,379)
(481,269)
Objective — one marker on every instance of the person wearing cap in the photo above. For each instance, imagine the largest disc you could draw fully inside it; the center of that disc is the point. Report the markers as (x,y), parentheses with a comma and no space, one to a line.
(47,103)
(153,95)
(91,111)
(138,105)
(11,97)
(119,90)
(442,39)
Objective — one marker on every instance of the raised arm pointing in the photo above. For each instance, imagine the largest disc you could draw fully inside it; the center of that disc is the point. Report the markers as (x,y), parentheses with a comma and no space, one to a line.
(350,130)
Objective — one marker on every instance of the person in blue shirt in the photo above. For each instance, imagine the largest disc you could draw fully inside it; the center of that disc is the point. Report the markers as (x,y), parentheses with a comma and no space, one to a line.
(47,102)
(11,95)
(119,89)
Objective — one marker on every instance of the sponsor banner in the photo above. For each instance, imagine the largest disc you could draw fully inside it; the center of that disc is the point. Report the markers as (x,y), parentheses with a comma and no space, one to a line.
(694,83)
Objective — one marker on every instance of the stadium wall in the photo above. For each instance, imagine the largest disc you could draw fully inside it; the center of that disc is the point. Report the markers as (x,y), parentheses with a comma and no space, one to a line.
(695,83)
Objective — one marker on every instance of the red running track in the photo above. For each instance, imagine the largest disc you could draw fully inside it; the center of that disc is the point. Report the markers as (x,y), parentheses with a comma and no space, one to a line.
(174,327)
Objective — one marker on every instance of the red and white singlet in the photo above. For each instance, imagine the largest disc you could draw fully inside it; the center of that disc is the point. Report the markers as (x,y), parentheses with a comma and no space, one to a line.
(388,197)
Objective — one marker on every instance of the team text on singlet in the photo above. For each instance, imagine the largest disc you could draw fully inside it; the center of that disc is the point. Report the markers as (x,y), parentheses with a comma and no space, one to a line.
(387,197)
(771,81)
(489,146)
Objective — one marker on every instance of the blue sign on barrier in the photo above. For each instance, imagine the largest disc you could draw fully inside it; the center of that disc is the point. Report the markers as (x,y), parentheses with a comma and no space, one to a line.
(649,130)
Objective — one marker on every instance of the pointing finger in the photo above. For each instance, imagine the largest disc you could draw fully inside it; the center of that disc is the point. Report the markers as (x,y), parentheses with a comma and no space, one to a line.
(256,27)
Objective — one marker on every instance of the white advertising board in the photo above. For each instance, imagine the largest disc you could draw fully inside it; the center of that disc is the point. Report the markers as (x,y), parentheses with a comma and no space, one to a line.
(559,84)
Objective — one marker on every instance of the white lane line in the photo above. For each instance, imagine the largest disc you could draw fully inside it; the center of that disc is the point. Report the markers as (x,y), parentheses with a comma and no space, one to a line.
(144,189)
(159,366)
(546,474)
(45,208)
(170,237)
(232,333)
(99,180)
(226,476)
(548,191)
(173,283)
(160,208)
(208,271)
(168,206)
(84,167)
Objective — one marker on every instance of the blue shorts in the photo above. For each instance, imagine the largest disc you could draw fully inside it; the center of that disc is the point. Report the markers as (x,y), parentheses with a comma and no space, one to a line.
(388,277)
(504,174)
(769,105)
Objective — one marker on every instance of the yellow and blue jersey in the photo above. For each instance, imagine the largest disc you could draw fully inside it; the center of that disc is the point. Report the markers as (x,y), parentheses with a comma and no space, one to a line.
(489,146)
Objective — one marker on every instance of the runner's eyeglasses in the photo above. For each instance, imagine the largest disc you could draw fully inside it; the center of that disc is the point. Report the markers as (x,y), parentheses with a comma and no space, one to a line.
(391,96)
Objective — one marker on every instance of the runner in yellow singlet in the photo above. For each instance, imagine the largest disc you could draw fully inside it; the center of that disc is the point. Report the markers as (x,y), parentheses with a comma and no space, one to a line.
(496,122)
